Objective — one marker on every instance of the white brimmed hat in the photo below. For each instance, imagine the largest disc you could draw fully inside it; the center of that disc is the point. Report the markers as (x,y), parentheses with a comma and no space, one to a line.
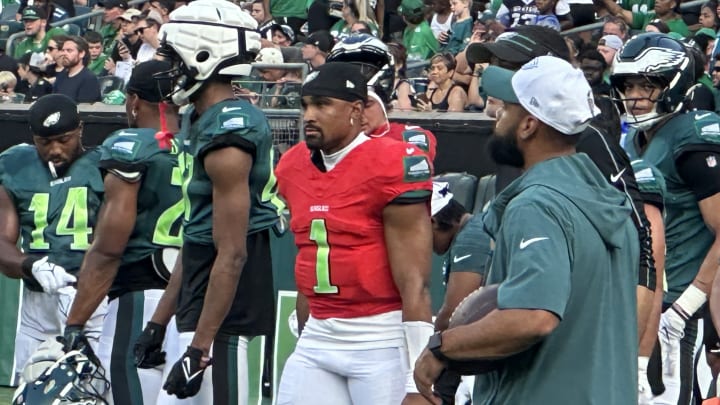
(549,88)
(441,196)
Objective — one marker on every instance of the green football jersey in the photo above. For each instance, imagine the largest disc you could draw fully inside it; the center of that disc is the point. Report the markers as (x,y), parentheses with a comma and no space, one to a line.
(57,216)
(160,207)
(229,123)
(687,237)
(650,181)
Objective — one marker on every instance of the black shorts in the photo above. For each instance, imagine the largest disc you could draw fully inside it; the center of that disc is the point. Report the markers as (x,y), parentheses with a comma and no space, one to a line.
(252,312)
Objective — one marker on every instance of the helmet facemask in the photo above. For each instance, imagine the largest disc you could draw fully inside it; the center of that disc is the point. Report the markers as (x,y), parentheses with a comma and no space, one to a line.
(647,120)
(205,39)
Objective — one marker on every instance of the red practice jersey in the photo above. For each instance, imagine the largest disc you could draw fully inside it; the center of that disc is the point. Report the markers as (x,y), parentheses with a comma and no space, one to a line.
(418,136)
(337,219)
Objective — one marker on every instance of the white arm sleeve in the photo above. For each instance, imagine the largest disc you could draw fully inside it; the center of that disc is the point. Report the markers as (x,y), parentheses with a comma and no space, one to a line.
(417,334)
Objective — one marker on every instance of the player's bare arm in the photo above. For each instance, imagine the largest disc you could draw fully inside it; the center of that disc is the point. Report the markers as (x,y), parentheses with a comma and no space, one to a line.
(460,284)
(11,258)
(228,169)
(408,236)
(657,227)
(100,265)
(710,211)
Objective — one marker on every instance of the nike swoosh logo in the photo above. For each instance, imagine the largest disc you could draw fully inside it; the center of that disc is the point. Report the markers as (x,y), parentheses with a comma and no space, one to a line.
(186,370)
(410,150)
(525,243)
(615,177)
(461,258)
(228,109)
(701,116)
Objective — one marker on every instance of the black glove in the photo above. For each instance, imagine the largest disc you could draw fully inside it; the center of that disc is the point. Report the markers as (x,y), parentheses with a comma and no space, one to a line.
(74,339)
(186,375)
(148,346)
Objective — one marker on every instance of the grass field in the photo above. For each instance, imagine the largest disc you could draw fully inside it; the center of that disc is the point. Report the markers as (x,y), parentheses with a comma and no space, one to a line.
(6,395)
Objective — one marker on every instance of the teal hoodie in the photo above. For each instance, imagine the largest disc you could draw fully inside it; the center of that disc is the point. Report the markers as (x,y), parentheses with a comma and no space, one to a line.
(565,243)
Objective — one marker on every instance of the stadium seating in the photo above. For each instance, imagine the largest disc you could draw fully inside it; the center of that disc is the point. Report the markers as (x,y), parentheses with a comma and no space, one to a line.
(9,11)
(7,28)
(472,193)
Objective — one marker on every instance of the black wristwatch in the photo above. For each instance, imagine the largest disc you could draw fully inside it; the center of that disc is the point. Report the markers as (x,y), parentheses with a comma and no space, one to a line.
(435,344)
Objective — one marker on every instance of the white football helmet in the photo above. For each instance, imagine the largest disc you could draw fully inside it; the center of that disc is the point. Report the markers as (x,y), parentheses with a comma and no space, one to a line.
(73,379)
(203,39)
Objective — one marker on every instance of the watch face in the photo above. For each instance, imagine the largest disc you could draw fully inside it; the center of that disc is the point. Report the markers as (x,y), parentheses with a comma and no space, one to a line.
(435,341)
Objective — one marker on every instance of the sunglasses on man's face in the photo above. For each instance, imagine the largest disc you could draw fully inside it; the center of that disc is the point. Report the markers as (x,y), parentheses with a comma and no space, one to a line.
(716,68)
(51,48)
(140,30)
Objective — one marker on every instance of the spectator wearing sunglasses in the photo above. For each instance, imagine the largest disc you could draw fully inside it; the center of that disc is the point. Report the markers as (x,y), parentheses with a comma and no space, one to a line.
(147,29)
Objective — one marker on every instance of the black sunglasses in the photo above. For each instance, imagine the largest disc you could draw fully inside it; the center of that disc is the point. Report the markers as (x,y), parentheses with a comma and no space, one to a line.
(140,30)
(716,68)
(51,48)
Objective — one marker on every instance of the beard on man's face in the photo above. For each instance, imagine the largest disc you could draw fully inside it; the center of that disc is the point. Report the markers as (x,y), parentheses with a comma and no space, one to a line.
(504,149)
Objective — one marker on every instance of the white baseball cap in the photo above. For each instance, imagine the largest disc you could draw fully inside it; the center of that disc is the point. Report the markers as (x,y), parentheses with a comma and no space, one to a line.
(549,88)
(441,196)
(270,56)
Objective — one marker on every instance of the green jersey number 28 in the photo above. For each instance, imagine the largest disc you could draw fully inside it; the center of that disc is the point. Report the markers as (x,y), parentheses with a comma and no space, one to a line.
(73,219)
(169,217)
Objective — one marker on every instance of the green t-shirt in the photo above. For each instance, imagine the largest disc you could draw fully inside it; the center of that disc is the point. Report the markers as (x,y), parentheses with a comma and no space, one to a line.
(675,25)
(461,33)
(420,42)
(231,123)
(687,237)
(96,66)
(470,250)
(29,45)
(108,32)
(57,216)
(160,207)
(565,243)
(288,8)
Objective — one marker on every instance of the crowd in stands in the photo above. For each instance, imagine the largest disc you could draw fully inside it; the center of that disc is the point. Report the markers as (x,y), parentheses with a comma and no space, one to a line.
(428,39)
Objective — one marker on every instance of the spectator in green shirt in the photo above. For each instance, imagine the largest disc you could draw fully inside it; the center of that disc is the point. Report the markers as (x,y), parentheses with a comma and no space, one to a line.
(35,21)
(418,37)
(290,12)
(111,21)
(97,56)
(461,30)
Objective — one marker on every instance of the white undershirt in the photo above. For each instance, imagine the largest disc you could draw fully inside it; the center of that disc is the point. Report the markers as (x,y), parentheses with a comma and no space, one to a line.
(334,158)
(380,331)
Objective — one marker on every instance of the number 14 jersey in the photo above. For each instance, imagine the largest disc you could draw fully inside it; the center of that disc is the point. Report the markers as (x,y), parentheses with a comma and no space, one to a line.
(57,216)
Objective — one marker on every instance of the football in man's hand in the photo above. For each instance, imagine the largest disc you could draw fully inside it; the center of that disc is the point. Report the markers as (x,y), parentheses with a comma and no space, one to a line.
(477,305)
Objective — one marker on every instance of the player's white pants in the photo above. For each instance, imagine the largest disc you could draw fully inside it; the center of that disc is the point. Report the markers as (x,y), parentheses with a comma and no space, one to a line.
(674,383)
(224,383)
(43,317)
(125,320)
(343,377)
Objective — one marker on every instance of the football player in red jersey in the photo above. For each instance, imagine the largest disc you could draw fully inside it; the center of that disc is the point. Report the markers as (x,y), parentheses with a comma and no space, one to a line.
(360,216)
(377,65)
